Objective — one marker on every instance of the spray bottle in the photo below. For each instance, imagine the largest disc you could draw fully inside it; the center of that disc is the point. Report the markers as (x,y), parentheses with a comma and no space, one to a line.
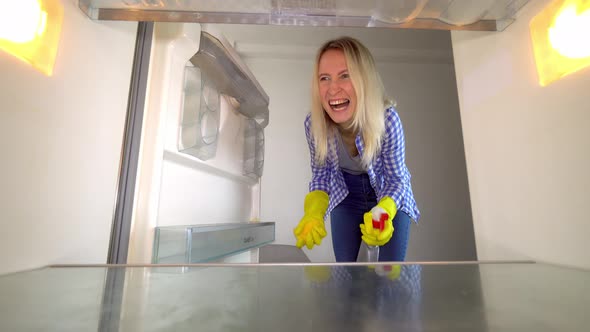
(369,253)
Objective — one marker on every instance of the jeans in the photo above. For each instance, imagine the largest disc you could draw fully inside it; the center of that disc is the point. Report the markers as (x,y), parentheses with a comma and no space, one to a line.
(348,215)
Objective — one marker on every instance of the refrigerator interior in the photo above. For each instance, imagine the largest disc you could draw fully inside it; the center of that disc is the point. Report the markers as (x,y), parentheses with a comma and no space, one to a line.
(425,68)
(177,188)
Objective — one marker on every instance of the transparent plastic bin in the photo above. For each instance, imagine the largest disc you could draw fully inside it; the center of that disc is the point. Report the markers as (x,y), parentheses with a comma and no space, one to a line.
(199,123)
(230,75)
(207,243)
(253,149)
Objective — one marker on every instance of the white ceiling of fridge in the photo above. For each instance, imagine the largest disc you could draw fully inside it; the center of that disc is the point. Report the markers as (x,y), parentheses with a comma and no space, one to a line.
(481,15)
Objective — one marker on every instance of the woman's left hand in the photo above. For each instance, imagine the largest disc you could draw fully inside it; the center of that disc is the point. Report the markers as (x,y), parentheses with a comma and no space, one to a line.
(375,237)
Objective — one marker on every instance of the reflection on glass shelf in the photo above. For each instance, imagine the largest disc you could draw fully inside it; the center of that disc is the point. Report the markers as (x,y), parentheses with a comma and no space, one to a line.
(303,297)
(207,243)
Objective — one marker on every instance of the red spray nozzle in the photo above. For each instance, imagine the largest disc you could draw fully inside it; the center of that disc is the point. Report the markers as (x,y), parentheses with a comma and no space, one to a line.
(380,223)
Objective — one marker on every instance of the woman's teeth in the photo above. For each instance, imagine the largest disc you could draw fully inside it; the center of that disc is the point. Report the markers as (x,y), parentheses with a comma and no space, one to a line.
(339,104)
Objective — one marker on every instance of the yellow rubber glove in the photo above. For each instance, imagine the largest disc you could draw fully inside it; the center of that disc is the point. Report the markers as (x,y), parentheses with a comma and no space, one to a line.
(375,237)
(311,229)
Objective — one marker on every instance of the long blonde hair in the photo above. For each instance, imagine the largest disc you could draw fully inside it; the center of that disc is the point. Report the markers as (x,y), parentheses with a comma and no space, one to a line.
(368,119)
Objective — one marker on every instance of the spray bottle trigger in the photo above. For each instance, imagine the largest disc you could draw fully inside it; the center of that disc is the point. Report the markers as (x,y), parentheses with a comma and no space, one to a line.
(380,224)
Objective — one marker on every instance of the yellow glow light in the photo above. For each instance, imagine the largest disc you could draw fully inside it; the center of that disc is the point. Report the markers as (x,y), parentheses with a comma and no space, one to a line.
(561,39)
(30,30)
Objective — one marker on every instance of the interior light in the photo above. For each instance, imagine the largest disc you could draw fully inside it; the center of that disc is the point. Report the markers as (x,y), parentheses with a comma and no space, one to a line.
(565,35)
(21,22)
(30,30)
(561,39)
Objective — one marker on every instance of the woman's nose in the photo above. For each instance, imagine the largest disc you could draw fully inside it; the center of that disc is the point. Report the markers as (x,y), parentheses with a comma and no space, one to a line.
(334,87)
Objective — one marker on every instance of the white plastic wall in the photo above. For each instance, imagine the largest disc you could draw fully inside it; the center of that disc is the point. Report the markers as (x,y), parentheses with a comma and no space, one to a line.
(526,148)
(176,188)
(60,140)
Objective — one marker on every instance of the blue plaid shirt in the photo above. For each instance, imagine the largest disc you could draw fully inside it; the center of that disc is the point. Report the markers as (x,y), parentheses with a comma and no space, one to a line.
(388,173)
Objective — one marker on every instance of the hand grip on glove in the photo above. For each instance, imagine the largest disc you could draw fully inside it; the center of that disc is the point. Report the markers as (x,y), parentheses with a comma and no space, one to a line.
(378,237)
(311,229)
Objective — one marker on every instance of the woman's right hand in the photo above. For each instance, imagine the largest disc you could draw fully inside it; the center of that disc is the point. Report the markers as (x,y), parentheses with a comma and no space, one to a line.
(311,229)
(310,232)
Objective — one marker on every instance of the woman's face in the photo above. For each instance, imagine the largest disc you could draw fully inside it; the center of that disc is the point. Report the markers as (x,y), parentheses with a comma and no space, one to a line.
(336,90)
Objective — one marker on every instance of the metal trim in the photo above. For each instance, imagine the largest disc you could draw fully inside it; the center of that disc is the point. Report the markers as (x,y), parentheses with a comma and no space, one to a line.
(501,262)
(121,226)
(282,19)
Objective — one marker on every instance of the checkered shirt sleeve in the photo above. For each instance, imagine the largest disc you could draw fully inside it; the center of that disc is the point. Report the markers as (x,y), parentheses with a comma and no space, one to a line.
(323,177)
(392,179)
(393,149)
(320,174)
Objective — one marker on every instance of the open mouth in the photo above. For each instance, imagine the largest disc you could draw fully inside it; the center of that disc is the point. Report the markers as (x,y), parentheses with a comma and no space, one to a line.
(339,104)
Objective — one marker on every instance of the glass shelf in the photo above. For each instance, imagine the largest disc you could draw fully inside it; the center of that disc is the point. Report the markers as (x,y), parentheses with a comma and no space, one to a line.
(207,243)
(482,15)
(441,296)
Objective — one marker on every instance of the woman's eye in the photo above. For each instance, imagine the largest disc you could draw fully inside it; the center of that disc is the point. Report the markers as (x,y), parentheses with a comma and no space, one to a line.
(344,76)
(324,78)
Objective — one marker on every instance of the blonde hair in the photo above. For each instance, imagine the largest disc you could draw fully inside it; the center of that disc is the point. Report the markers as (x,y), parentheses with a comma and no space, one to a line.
(368,118)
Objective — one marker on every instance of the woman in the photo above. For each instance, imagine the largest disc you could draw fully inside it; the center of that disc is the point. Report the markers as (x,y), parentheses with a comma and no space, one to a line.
(357,149)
